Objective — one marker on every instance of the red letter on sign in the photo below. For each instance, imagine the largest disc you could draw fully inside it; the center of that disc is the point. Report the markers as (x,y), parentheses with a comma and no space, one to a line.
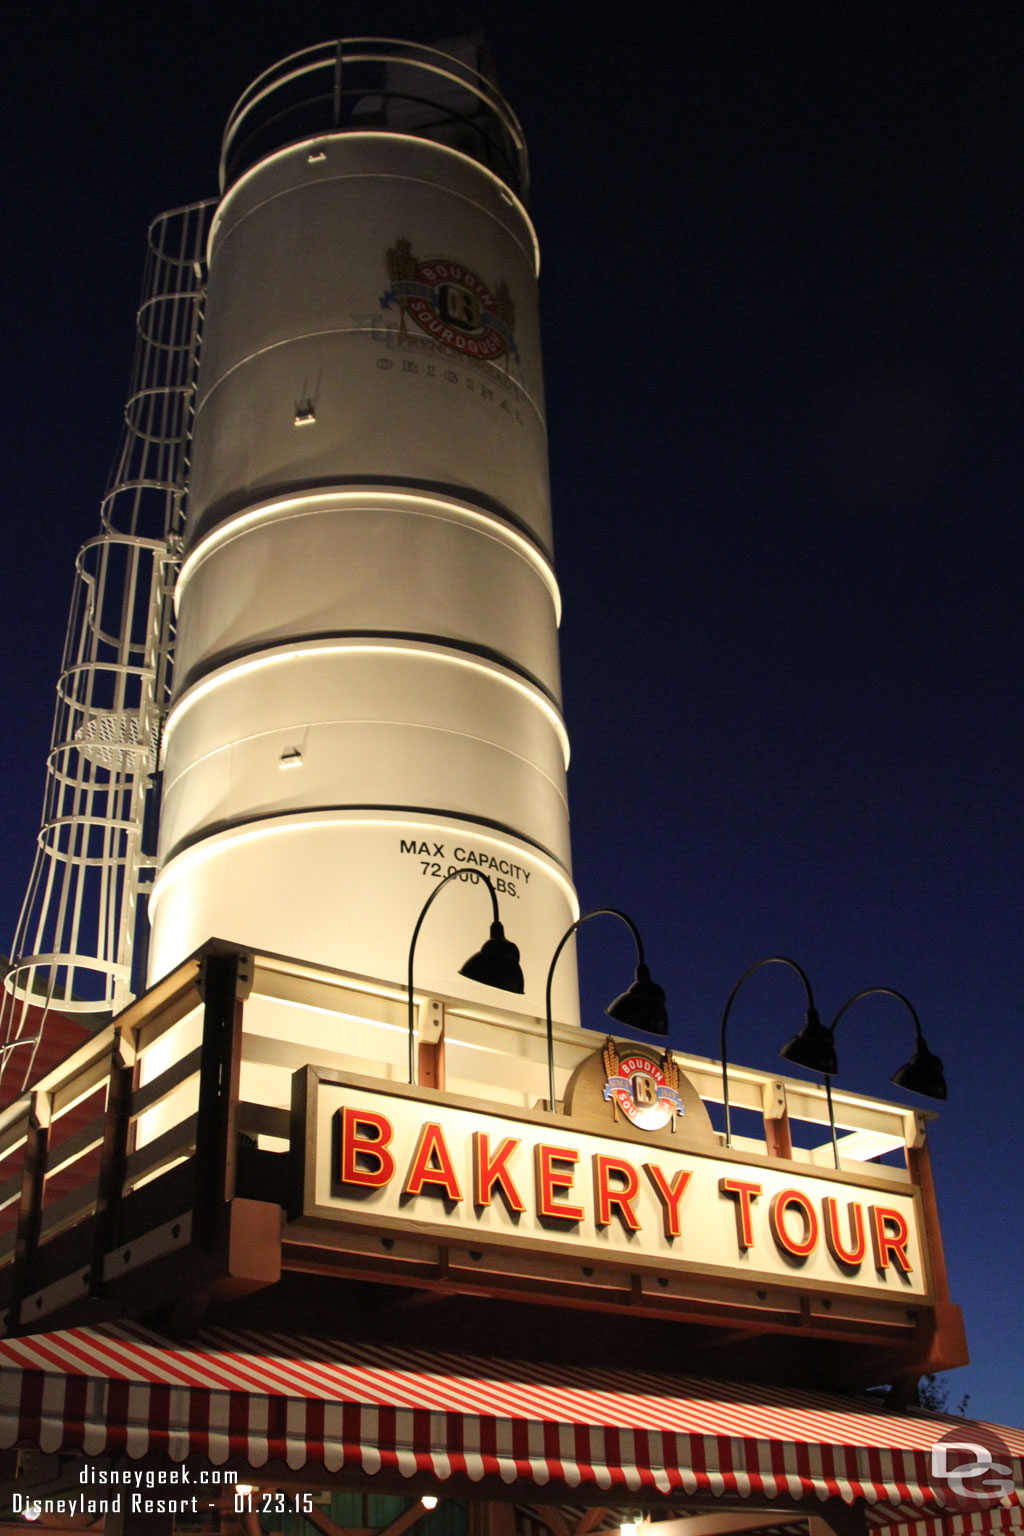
(887,1244)
(432,1145)
(855,1213)
(606,1196)
(358,1151)
(551,1182)
(489,1171)
(670,1195)
(744,1194)
(783,1201)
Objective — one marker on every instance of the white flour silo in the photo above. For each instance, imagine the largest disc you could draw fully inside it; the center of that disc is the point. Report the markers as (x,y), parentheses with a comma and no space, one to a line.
(366,667)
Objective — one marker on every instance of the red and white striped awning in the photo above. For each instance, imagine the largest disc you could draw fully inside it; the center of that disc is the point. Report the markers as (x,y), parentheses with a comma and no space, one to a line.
(260,1400)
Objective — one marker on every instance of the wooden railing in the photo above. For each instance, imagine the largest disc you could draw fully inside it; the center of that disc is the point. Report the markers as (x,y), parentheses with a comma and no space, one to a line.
(95,1136)
(136,1145)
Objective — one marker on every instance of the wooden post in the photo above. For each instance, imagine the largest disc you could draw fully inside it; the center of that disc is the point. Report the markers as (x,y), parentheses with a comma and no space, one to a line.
(430,1044)
(834,1518)
(947,1349)
(777,1135)
(30,1208)
(919,1165)
(491,1519)
(110,1182)
(222,984)
(129,1522)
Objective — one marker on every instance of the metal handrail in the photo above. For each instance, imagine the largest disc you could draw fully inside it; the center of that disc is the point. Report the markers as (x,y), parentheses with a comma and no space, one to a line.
(253,109)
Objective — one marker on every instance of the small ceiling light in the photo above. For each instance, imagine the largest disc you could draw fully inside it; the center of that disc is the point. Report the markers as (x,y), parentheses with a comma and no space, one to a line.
(429,1501)
(32,1511)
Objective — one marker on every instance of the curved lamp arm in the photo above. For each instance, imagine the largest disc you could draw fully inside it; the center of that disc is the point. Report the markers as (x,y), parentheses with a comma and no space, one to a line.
(812,1018)
(455,874)
(878,991)
(922,1074)
(642,977)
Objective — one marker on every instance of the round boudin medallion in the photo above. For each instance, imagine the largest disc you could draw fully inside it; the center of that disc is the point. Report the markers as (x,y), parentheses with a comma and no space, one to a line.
(644,1088)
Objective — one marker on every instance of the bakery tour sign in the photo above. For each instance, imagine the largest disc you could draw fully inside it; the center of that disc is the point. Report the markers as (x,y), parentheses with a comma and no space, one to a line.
(591,1185)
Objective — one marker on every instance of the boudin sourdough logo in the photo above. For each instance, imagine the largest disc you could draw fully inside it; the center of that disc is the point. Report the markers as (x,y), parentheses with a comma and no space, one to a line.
(645,1089)
(453,306)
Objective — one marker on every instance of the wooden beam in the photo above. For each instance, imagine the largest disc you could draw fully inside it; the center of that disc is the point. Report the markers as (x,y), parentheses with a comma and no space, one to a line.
(778,1137)
(131,1522)
(30,1207)
(110,1180)
(551,1516)
(43,1527)
(214,1159)
(592,1518)
(403,1522)
(321,1522)
(488,1518)
(834,1518)
(728,1523)
(327,1527)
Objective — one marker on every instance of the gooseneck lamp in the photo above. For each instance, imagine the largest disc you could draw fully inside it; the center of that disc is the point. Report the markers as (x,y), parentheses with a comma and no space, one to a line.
(813,1028)
(495,964)
(641,1006)
(922,1074)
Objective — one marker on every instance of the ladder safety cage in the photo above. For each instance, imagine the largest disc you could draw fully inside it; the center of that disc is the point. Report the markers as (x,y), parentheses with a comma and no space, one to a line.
(73,947)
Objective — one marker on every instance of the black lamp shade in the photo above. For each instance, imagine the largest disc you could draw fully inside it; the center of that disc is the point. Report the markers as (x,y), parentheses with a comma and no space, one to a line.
(922,1074)
(642,1006)
(814,1047)
(496,964)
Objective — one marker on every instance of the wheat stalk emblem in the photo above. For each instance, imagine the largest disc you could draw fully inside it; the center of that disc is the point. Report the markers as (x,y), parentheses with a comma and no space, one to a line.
(401,269)
(610,1057)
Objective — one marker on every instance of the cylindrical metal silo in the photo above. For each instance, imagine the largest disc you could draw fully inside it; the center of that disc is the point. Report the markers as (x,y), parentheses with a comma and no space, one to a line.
(366,668)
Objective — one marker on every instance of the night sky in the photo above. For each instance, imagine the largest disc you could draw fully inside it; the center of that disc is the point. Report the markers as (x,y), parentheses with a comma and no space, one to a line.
(781,275)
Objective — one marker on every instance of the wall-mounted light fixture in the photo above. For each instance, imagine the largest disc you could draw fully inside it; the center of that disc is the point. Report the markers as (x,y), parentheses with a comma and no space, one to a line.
(495,964)
(813,1027)
(641,1006)
(923,1073)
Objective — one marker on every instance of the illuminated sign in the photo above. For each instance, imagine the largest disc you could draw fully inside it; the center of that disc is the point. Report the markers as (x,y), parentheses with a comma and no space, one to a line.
(417,1163)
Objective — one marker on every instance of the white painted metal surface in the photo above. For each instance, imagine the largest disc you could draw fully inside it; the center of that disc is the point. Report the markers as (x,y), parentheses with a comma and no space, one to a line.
(366,675)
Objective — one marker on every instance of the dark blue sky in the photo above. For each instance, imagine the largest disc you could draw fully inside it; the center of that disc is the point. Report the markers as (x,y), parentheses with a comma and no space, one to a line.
(781,257)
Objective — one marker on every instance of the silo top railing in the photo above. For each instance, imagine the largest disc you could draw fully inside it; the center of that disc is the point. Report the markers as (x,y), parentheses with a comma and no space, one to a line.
(376,85)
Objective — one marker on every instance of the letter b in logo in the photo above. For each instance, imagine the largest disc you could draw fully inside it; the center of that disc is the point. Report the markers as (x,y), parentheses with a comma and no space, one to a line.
(459,306)
(643,1090)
